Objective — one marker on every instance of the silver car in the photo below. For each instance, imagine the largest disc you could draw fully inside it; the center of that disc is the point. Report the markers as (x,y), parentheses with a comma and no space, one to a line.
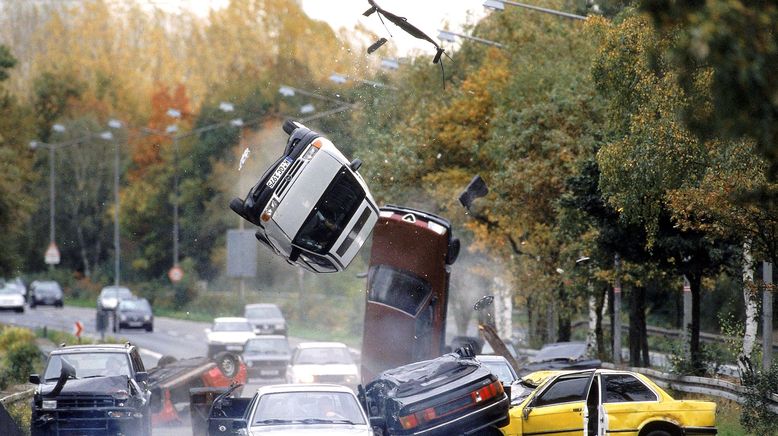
(312,206)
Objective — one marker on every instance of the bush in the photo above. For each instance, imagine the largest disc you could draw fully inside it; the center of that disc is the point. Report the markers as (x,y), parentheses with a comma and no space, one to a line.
(756,417)
(19,356)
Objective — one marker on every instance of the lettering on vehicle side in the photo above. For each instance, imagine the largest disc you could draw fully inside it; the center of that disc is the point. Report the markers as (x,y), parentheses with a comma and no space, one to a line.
(282,167)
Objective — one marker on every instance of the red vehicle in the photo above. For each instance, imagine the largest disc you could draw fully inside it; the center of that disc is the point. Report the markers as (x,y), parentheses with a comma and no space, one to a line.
(407,289)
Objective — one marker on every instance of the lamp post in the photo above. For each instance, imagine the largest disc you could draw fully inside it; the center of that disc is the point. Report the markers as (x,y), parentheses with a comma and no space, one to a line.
(447,35)
(499,5)
(108,136)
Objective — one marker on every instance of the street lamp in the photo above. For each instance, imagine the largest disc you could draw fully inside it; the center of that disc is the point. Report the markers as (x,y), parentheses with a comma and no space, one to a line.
(499,5)
(447,35)
(108,136)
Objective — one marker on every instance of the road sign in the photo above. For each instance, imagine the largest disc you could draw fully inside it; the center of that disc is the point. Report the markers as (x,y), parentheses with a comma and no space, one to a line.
(79,329)
(175,274)
(52,254)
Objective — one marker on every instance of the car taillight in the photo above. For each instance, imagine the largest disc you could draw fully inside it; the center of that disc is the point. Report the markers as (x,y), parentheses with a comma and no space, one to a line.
(429,414)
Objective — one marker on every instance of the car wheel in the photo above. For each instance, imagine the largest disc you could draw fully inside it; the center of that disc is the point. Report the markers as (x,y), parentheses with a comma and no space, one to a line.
(659,433)
(150,328)
(228,364)
(19,310)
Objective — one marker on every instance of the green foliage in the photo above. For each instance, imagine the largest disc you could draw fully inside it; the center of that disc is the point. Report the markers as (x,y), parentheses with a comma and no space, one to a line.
(7,61)
(757,417)
(19,356)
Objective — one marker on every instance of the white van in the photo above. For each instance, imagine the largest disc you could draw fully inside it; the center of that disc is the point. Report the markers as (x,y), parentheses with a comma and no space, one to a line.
(312,206)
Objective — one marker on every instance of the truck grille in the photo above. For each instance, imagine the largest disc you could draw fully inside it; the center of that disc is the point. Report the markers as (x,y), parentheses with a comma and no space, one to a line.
(85,402)
(288,178)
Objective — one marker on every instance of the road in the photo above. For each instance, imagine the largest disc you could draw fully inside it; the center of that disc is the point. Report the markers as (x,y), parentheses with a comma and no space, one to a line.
(175,337)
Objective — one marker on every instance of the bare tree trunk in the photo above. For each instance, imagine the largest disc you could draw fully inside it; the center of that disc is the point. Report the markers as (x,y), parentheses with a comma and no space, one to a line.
(503,309)
(749,297)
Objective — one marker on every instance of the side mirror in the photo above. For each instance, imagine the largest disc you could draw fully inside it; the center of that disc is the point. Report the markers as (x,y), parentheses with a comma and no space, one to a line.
(355,165)
(35,379)
(141,377)
(525,412)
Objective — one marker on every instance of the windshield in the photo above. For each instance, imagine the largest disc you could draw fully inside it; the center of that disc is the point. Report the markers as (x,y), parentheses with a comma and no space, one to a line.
(402,290)
(140,305)
(232,326)
(89,365)
(263,312)
(48,287)
(502,370)
(331,214)
(314,407)
(323,356)
(115,293)
(573,351)
(267,346)
(10,288)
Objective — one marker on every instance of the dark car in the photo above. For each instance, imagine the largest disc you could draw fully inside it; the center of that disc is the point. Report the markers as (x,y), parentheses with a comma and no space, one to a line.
(92,390)
(560,355)
(267,356)
(47,293)
(134,313)
(407,289)
(452,394)
(266,318)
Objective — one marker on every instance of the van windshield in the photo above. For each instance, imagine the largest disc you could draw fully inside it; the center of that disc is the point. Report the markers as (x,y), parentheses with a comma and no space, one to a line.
(397,288)
(332,213)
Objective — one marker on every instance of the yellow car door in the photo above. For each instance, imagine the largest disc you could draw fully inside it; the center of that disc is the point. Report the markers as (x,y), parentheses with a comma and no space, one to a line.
(558,410)
(627,401)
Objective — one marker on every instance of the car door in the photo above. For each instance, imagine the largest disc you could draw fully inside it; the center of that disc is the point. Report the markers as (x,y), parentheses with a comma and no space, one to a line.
(625,402)
(558,410)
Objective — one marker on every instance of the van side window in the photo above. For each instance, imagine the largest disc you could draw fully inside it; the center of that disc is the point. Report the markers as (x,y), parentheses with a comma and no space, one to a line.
(397,288)
(623,388)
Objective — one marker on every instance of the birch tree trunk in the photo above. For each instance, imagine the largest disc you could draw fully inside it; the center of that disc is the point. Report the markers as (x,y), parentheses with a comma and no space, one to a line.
(749,297)
(503,309)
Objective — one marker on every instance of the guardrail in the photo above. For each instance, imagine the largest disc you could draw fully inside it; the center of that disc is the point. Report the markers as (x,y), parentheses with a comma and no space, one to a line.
(19,396)
(702,385)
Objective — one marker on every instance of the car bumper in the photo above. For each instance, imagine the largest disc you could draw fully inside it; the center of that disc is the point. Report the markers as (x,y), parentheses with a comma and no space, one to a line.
(260,369)
(46,301)
(87,421)
(472,423)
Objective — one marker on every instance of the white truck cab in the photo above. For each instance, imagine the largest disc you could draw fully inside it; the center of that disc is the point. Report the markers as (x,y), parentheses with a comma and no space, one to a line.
(312,206)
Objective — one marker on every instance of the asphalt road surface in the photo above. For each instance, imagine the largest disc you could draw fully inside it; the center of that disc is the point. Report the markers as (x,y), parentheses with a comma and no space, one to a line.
(175,337)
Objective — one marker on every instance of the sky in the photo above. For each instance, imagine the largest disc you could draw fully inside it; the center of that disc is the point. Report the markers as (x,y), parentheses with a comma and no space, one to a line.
(428,15)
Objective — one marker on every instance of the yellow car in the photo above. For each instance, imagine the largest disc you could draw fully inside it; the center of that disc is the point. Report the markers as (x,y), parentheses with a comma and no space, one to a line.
(603,402)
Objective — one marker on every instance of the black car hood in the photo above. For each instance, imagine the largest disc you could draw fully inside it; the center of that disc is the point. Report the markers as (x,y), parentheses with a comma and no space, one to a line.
(96,385)
(421,376)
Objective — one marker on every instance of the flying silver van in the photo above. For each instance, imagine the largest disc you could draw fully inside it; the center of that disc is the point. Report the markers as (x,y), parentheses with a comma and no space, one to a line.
(312,206)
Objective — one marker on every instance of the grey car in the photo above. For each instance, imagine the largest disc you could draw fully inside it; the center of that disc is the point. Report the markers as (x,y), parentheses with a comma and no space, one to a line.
(266,319)
(134,313)
(46,293)
(267,356)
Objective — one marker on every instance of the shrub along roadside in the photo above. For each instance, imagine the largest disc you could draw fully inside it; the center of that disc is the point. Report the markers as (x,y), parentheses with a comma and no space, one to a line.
(19,356)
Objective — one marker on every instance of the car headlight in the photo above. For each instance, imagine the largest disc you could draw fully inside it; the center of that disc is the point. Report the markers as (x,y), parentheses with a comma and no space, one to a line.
(49,404)
(121,395)
(351,379)
(147,317)
(312,149)
(123,317)
(279,326)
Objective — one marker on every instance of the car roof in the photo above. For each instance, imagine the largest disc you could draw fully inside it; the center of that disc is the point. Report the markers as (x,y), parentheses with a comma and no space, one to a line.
(261,305)
(230,319)
(491,358)
(311,387)
(321,345)
(94,348)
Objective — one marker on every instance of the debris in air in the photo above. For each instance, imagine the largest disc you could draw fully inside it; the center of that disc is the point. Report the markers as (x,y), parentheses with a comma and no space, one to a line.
(403,24)
(244,158)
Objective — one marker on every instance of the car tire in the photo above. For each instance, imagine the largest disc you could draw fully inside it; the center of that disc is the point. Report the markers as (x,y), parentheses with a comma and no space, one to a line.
(19,310)
(659,433)
(228,363)
(150,328)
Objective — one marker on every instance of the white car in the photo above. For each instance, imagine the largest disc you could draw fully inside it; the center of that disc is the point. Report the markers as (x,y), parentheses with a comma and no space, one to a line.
(228,334)
(11,297)
(323,362)
(312,206)
(111,295)
(297,410)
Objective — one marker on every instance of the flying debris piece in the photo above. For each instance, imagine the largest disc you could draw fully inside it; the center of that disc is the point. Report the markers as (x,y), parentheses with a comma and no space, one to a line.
(475,189)
(244,158)
(403,24)
(376,45)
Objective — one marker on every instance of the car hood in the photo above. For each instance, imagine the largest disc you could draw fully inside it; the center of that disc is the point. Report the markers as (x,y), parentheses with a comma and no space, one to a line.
(318,369)
(230,337)
(96,385)
(313,430)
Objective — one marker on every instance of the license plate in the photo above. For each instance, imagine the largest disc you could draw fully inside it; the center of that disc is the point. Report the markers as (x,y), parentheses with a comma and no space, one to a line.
(268,372)
(135,323)
(234,347)
(282,167)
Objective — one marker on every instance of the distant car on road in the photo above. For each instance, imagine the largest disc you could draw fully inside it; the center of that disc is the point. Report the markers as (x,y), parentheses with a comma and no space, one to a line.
(291,410)
(560,355)
(228,334)
(266,318)
(600,401)
(267,356)
(111,295)
(312,206)
(323,362)
(11,298)
(134,313)
(46,292)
